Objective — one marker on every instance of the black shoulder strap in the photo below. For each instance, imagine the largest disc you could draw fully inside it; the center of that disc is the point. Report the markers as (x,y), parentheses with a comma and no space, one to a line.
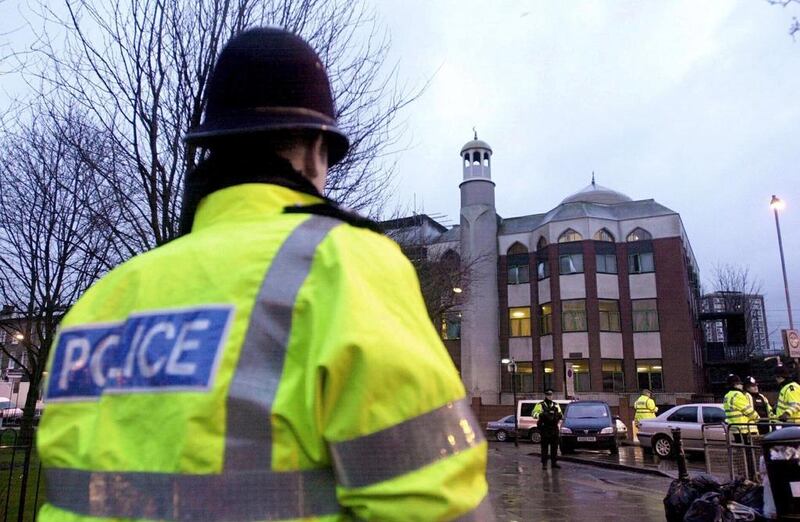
(330,210)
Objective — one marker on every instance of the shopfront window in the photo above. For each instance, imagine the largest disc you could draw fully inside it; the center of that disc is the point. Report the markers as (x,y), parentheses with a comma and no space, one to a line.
(580,368)
(613,376)
(549,377)
(451,326)
(649,374)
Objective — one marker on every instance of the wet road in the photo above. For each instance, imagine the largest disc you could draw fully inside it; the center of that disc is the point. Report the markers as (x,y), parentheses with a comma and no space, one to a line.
(521,491)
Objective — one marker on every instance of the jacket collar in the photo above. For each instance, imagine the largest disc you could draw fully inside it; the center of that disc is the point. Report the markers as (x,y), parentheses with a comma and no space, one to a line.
(247,202)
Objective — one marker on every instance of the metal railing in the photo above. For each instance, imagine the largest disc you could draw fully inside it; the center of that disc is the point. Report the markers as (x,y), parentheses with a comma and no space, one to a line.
(17,504)
(740,444)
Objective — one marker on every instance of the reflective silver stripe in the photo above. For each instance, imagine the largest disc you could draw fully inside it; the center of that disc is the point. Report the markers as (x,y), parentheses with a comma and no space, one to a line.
(246,489)
(248,441)
(261,495)
(482,513)
(407,446)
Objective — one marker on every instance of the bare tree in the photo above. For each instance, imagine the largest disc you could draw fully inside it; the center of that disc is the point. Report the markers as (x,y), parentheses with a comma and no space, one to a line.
(738,293)
(53,246)
(140,72)
(445,279)
(794,28)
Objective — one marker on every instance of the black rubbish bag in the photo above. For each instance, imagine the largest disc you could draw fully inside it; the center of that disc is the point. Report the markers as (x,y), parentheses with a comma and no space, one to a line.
(709,508)
(745,492)
(682,493)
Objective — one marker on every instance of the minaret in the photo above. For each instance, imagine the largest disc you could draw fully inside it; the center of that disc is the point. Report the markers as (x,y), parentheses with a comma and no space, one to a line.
(480,339)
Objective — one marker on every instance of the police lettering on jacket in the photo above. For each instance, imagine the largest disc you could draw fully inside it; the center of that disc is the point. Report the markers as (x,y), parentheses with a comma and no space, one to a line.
(156,351)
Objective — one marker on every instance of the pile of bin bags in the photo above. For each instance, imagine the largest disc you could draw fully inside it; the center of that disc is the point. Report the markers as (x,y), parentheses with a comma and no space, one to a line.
(703,499)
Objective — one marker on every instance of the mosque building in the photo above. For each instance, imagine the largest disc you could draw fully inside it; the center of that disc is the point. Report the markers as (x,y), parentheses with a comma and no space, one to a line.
(595,298)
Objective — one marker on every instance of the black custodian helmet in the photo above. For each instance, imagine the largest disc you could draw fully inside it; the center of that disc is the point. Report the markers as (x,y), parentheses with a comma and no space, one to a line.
(268,80)
(734,379)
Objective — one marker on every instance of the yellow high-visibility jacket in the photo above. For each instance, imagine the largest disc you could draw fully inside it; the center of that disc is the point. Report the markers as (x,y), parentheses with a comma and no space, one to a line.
(789,402)
(739,409)
(267,366)
(645,408)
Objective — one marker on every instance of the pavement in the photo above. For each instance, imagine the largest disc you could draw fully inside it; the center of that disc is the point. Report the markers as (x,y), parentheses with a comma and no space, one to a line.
(521,491)
(635,459)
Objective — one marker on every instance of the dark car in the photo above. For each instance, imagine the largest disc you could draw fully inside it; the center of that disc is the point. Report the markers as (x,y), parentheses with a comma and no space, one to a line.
(502,429)
(588,424)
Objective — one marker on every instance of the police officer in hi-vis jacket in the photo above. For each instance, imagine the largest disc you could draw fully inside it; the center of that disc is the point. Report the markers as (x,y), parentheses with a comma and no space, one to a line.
(276,362)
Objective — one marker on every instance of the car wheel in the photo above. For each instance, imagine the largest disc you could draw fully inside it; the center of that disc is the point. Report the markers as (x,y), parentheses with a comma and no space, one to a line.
(662,446)
(501,436)
(535,436)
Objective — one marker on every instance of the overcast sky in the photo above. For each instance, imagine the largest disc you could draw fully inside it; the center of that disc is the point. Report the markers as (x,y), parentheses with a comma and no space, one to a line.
(693,104)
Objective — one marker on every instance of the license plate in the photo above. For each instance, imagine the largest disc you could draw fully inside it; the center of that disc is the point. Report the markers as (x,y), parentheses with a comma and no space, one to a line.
(587,439)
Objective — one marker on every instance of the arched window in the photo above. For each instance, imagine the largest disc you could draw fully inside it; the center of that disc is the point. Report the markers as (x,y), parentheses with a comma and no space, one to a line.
(466,159)
(451,259)
(541,244)
(485,159)
(639,234)
(603,235)
(476,158)
(517,248)
(518,268)
(568,236)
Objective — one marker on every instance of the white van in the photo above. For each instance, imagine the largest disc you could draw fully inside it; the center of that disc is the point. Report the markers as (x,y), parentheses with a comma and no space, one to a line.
(527,424)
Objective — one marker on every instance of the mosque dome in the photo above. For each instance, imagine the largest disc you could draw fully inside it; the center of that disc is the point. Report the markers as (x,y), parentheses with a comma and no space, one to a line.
(594,193)
(475,144)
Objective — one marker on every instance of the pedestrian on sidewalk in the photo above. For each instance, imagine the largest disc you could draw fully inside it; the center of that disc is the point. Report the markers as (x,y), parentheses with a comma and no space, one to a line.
(548,417)
(276,362)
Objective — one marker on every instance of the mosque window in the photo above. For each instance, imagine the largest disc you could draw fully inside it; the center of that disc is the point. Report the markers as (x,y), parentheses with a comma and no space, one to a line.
(603,235)
(466,159)
(518,264)
(569,235)
(541,244)
(573,315)
(641,263)
(639,234)
(476,158)
(570,264)
(485,159)
(519,321)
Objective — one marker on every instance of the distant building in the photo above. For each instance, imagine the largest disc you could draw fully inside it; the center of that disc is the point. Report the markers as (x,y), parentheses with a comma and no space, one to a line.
(746,310)
(596,297)
(736,339)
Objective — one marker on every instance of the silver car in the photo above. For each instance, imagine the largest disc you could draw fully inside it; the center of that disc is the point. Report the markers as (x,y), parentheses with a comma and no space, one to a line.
(656,434)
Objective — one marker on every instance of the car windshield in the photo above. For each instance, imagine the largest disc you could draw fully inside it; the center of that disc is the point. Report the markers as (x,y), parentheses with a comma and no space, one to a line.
(586,411)
(5,404)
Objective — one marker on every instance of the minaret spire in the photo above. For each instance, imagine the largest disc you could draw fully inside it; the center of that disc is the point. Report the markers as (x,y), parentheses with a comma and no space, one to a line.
(592,177)
(475,132)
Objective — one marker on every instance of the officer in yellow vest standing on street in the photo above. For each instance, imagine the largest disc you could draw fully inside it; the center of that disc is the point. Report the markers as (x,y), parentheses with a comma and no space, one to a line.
(740,416)
(645,408)
(787,408)
(274,363)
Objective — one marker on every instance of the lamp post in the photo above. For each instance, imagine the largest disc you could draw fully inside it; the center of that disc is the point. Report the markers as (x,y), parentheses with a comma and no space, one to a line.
(777,204)
(512,368)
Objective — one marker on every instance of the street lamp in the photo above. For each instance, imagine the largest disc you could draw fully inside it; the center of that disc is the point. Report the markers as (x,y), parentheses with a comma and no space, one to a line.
(777,204)
(512,369)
